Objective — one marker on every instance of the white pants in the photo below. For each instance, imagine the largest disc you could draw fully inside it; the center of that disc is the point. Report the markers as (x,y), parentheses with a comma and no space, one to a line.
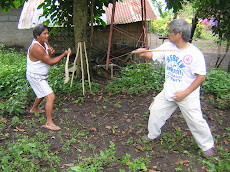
(161,109)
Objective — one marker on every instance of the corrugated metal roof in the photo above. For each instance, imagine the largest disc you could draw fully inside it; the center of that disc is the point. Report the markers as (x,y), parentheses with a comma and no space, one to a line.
(30,14)
(128,11)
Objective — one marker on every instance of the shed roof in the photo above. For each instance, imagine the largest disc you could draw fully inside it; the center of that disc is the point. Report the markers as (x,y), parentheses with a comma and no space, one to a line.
(128,11)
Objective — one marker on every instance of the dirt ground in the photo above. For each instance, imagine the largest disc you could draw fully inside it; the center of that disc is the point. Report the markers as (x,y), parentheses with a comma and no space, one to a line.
(122,119)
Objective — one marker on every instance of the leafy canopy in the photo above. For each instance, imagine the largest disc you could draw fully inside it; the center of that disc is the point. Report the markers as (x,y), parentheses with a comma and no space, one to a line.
(61,12)
(6,5)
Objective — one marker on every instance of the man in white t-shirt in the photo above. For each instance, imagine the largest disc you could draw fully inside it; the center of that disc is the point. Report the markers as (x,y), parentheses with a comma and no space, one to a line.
(185,70)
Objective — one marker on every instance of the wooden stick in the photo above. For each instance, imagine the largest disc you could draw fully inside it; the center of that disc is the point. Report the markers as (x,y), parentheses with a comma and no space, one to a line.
(87,63)
(66,69)
(74,64)
(82,71)
(152,51)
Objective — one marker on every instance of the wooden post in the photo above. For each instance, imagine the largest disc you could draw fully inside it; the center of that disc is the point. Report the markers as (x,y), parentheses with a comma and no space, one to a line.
(87,65)
(110,33)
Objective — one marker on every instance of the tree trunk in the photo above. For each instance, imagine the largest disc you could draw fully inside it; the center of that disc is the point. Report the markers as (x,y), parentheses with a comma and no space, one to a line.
(219,58)
(175,16)
(228,67)
(81,29)
(194,23)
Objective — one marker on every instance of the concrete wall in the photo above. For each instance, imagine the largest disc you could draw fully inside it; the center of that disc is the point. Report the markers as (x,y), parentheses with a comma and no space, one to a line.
(10,35)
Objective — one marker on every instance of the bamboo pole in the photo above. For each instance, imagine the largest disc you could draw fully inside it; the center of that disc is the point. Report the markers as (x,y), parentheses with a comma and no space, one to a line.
(87,65)
(133,52)
(74,64)
(82,70)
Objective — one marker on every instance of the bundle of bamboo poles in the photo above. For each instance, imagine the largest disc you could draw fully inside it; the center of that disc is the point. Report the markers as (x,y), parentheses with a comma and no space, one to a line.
(79,53)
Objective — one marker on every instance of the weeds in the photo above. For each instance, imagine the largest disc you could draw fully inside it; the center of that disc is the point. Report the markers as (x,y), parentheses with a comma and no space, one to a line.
(217,85)
(107,158)
(137,79)
(27,153)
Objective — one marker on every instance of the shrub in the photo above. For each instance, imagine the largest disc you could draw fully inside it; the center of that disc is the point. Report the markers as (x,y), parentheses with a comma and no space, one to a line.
(138,78)
(161,27)
(25,154)
(217,84)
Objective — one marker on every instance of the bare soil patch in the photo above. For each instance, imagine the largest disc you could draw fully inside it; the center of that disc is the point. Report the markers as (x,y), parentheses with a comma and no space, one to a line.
(123,119)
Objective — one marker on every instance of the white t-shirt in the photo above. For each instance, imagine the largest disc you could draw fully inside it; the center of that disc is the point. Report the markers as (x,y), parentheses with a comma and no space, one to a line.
(180,68)
(37,67)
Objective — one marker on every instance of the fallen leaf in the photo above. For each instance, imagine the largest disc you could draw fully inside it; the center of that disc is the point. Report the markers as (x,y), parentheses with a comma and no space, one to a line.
(185,162)
(79,150)
(226,142)
(93,115)
(68,165)
(100,97)
(139,131)
(108,127)
(212,119)
(202,170)
(128,120)
(113,130)
(139,148)
(152,170)
(3,120)
(57,151)
(93,129)
(130,131)
(19,129)
(153,144)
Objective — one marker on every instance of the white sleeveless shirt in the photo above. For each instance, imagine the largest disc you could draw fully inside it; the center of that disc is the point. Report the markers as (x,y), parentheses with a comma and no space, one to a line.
(37,67)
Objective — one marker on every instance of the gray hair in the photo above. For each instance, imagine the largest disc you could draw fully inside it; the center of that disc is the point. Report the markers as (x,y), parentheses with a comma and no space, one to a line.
(38,30)
(181,25)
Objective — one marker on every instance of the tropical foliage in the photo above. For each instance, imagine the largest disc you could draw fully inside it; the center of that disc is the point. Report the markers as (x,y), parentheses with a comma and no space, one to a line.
(6,5)
(218,10)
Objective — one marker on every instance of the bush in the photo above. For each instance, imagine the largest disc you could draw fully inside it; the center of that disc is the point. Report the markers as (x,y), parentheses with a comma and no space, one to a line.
(217,84)
(138,78)
(199,32)
(161,26)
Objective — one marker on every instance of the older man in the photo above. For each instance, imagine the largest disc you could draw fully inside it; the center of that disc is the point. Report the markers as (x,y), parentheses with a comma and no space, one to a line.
(185,70)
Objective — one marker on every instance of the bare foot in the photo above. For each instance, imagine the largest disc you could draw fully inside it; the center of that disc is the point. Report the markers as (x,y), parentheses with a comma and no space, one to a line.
(51,127)
(37,110)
